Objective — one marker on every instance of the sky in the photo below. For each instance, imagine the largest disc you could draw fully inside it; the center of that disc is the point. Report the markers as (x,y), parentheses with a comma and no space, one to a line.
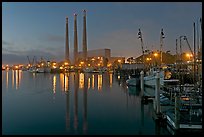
(38,28)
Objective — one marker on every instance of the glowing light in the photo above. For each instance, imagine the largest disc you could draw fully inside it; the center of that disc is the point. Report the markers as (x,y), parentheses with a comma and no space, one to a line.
(109,65)
(92,59)
(54,67)
(54,63)
(89,65)
(188,55)
(42,64)
(99,64)
(119,61)
(118,77)
(82,62)
(72,67)
(155,54)
(61,68)
(98,57)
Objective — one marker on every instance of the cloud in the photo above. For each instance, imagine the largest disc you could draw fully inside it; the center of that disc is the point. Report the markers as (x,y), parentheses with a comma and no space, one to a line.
(21,56)
(53,38)
(6,43)
(13,59)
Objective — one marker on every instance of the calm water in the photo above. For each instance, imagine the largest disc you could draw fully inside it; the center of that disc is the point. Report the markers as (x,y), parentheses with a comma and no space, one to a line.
(73,103)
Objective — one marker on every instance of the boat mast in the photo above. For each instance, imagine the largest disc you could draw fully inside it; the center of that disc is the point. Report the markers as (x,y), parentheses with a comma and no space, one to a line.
(194,64)
(140,37)
(161,44)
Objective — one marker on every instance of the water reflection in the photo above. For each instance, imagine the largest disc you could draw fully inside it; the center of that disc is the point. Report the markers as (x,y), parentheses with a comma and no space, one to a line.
(12,78)
(7,77)
(76,87)
(111,79)
(81,80)
(100,82)
(66,82)
(92,80)
(54,84)
(85,103)
(78,117)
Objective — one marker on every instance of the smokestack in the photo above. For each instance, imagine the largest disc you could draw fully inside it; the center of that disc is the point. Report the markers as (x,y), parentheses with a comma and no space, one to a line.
(75,40)
(84,36)
(67,42)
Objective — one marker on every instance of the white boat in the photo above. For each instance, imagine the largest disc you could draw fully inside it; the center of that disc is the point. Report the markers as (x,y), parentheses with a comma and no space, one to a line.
(133,81)
(150,80)
(165,77)
(32,69)
(40,70)
(88,70)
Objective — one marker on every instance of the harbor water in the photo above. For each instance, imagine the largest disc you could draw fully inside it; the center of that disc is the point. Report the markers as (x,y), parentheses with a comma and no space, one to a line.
(73,103)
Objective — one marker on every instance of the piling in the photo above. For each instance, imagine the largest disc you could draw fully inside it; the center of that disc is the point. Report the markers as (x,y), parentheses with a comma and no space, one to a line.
(157,93)
(177,116)
(142,82)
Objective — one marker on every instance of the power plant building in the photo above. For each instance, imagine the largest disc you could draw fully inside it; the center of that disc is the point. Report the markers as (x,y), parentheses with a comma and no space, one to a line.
(106,53)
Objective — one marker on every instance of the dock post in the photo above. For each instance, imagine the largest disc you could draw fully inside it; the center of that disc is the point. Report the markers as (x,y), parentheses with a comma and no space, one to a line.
(142,82)
(157,93)
(177,116)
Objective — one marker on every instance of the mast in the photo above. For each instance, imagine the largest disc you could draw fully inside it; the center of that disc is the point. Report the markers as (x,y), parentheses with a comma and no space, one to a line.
(161,44)
(140,37)
(176,50)
(194,65)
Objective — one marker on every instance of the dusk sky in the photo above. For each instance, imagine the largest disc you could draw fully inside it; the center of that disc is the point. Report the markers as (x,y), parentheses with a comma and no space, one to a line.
(38,29)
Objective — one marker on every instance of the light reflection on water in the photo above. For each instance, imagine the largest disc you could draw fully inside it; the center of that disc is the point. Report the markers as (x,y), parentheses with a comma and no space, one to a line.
(83,104)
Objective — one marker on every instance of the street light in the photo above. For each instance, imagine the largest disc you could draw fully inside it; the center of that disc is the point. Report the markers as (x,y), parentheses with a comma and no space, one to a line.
(155,54)
(189,56)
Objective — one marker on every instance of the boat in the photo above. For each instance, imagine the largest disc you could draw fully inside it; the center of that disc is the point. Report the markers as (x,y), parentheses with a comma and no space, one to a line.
(165,76)
(32,69)
(102,70)
(88,70)
(134,80)
(40,70)
(189,119)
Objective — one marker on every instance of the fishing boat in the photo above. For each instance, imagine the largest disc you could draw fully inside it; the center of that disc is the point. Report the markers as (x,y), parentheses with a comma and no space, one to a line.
(32,69)
(165,76)
(134,80)
(40,70)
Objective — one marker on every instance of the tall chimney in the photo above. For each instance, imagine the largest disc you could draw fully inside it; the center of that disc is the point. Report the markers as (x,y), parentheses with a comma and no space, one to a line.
(75,40)
(67,42)
(84,36)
